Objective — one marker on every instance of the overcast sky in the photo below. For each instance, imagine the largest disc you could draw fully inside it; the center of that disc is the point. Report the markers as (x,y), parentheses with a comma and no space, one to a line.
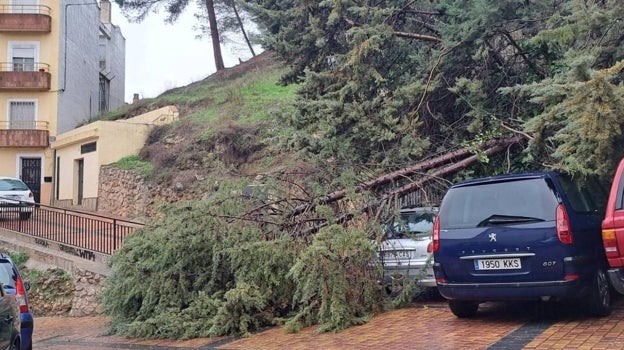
(161,56)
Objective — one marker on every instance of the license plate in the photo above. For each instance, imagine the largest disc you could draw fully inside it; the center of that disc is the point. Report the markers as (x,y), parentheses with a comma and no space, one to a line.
(396,254)
(498,264)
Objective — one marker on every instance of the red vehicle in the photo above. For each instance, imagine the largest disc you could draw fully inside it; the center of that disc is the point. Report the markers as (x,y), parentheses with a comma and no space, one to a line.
(613,230)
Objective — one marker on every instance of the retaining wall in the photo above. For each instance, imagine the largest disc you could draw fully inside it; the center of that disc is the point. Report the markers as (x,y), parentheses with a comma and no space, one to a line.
(88,269)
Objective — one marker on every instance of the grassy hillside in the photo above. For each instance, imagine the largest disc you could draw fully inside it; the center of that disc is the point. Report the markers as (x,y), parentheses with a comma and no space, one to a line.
(227,121)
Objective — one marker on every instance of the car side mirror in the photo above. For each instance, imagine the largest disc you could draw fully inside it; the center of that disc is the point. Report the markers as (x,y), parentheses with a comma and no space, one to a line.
(27,286)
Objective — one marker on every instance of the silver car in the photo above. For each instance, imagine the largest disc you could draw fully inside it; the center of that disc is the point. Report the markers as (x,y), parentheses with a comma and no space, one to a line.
(16,197)
(405,251)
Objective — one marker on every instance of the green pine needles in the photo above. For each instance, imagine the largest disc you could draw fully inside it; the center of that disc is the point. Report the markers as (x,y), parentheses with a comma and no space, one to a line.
(218,267)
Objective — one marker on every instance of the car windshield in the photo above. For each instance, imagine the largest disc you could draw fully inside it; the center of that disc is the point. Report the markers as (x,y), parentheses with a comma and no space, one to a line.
(12,185)
(411,224)
(501,203)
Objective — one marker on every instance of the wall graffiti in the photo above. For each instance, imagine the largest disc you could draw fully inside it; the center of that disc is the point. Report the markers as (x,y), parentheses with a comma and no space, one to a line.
(82,253)
(42,242)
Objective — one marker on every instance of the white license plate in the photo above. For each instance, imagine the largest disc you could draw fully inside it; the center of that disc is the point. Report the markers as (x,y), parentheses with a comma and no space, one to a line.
(498,264)
(396,254)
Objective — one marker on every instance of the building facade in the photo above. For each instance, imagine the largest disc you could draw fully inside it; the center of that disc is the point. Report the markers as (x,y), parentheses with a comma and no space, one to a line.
(81,152)
(62,64)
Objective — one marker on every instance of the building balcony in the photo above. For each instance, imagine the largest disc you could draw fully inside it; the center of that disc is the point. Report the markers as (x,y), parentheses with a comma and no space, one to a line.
(17,77)
(25,18)
(24,134)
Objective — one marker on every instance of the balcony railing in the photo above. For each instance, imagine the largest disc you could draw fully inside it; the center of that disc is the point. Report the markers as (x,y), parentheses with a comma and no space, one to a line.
(24,133)
(33,76)
(25,18)
(23,125)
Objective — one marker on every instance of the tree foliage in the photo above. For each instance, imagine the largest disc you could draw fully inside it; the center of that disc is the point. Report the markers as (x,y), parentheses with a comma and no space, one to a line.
(234,264)
(390,82)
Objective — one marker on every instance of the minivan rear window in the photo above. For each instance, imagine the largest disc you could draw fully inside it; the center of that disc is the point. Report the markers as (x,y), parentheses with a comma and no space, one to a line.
(518,201)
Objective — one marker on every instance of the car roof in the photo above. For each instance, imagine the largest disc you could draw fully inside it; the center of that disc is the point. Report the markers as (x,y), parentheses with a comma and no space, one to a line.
(506,177)
(9,178)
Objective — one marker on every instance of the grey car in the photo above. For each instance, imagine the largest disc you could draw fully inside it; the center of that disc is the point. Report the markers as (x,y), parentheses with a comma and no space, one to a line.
(405,250)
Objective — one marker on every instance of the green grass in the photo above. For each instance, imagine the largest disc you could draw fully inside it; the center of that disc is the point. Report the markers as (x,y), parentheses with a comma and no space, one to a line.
(253,98)
(134,163)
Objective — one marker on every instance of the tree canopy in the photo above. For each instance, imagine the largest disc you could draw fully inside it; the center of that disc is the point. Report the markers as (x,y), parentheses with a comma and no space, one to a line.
(391,81)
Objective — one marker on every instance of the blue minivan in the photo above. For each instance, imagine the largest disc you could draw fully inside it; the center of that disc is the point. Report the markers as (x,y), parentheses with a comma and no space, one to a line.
(13,284)
(534,236)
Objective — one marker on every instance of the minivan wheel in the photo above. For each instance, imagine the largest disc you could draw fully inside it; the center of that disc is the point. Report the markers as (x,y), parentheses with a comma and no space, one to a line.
(463,309)
(599,300)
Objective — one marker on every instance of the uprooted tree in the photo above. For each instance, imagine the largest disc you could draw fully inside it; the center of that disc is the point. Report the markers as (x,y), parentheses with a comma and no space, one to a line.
(234,264)
(422,86)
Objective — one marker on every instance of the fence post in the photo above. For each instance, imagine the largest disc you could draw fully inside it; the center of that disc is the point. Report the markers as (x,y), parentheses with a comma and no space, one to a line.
(114,236)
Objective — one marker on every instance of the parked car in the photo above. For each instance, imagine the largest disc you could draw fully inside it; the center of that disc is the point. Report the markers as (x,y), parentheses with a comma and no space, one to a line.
(10,324)
(403,251)
(530,236)
(14,285)
(16,197)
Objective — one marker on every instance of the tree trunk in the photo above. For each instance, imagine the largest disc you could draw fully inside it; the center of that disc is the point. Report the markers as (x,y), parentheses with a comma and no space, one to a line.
(242,27)
(214,34)
(408,171)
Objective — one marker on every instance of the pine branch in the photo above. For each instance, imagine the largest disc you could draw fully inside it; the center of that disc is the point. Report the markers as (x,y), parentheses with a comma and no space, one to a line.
(417,36)
(402,34)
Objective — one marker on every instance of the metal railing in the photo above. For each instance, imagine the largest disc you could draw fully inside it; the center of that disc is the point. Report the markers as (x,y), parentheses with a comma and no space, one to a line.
(26,9)
(78,232)
(24,67)
(23,125)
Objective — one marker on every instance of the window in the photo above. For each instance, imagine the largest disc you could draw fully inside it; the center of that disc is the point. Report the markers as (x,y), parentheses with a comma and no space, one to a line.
(25,6)
(88,147)
(472,206)
(23,56)
(22,115)
(104,94)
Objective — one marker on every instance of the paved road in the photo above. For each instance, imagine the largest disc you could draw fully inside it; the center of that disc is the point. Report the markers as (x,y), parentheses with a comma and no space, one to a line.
(424,325)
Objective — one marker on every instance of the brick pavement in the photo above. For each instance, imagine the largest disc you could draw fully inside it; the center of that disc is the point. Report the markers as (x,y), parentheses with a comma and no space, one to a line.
(424,325)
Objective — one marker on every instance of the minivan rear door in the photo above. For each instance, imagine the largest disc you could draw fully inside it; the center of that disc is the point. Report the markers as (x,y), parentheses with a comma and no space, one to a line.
(500,230)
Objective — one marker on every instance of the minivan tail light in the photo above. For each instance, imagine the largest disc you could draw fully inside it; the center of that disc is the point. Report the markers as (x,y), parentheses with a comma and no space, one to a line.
(435,242)
(610,243)
(20,295)
(563,225)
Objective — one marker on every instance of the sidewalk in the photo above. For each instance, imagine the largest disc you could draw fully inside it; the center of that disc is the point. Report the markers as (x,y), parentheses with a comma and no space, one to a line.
(425,325)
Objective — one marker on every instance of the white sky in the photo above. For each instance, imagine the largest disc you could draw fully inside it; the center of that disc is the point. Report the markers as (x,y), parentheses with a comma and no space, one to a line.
(161,56)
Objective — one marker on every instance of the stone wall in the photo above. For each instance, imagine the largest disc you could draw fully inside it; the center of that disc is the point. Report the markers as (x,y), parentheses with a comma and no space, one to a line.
(126,194)
(88,288)
(54,295)
(123,193)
